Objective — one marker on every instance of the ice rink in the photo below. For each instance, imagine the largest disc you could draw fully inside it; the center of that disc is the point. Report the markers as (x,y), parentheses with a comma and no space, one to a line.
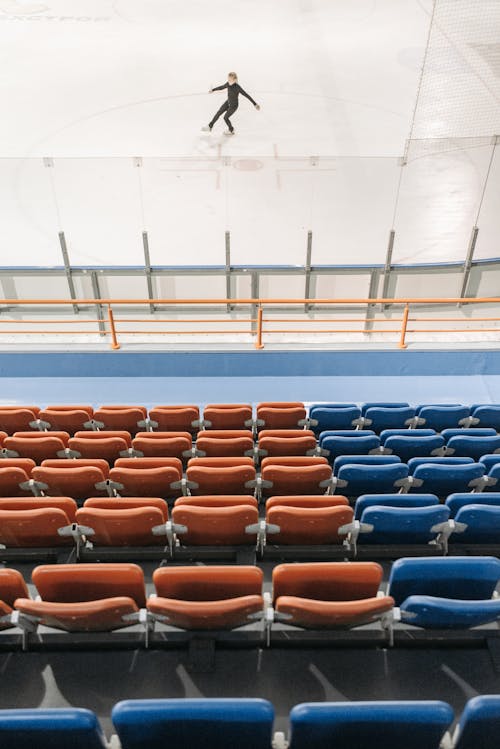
(103,103)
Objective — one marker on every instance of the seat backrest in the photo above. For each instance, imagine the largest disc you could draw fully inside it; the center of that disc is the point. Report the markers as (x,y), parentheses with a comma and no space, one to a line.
(386,433)
(176,418)
(412,525)
(16,419)
(375,477)
(334,417)
(220,462)
(482,521)
(11,480)
(145,482)
(66,420)
(366,460)
(66,504)
(107,448)
(379,417)
(156,462)
(162,444)
(12,586)
(71,583)
(72,407)
(474,447)
(349,445)
(461,499)
(442,417)
(126,503)
(410,446)
(72,463)
(130,526)
(224,443)
(210,583)
(26,464)
(220,480)
(277,415)
(444,479)
(378,725)
(221,526)
(469,578)
(227,415)
(307,500)
(51,728)
(479,723)
(468,432)
(382,404)
(327,581)
(38,449)
(121,433)
(295,461)
(181,723)
(69,482)
(293,441)
(308,525)
(448,460)
(488,461)
(120,417)
(345,433)
(287,479)
(33,528)
(393,500)
(489,416)
(214,500)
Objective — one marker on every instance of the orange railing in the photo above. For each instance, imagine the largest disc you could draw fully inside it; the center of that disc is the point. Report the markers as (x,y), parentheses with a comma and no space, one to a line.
(107,325)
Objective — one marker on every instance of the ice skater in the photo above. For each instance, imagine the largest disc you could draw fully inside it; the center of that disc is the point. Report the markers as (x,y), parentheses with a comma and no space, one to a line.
(230,105)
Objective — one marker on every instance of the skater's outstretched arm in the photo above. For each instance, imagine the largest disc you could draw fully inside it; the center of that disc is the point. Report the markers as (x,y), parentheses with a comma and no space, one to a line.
(244,93)
(219,88)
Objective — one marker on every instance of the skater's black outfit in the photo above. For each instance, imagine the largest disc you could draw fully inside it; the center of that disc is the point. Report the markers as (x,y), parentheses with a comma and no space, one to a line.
(231,105)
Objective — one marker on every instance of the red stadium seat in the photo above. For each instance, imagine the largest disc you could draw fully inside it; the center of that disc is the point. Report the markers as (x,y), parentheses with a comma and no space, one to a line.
(220,526)
(78,483)
(66,504)
(67,418)
(227,416)
(207,598)
(26,464)
(85,597)
(128,418)
(295,475)
(106,448)
(132,526)
(3,435)
(17,418)
(220,475)
(127,503)
(12,586)
(325,595)
(217,500)
(164,444)
(103,465)
(148,477)
(277,415)
(33,527)
(225,443)
(11,481)
(175,418)
(308,525)
(36,445)
(281,442)
(121,433)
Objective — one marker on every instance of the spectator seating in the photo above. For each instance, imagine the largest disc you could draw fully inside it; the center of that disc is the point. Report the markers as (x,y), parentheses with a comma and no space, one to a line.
(63,418)
(286,442)
(220,475)
(355,478)
(227,416)
(278,415)
(118,417)
(442,416)
(394,500)
(379,418)
(295,475)
(163,445)
(145,477)
(225,443)
(304,522)
(328,416)
(17,418)
(485,415)
(173,419)
(443,479)
(356,443)
(51,728)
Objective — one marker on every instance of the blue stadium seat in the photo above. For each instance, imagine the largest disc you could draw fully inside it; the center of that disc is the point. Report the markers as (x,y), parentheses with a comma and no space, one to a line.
(446,592)
(200,723)
(56,728)
(401,525)
(374,725)
(346,433)
(413,463)
(394,500)
(493,478)
(367,460)
(412,445)
(479,725)
(488,461)
(333,416)
(442,479)
(442,416)
(356,479)
(332,447)
(466,432)
(473,447)
(482,525)
(386,433)
(382,404)
(486,415)
(458,500)
(379,418)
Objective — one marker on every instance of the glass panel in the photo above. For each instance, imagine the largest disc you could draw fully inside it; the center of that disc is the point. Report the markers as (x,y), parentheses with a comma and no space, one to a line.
(282,287)
(190,287)
(341,286)
(441,283)
(123,287)
(33,287)
(487,245)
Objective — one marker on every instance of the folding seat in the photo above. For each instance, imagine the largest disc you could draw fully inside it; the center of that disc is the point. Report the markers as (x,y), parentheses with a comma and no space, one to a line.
(127,503)
(227,416)
(163,444)
(492,479)
(217,500)
(325,416)
(78,483)
(233,525)
(146,477)
(477,524)
(326,595)
(282,442)
(128,418)
(379,418)
(308,523)
(383,525)
(442,416)
(473,447)
(221,475)
(72,463)
(276,415)
(333,445)
(468,432)
(357,479)
(12,479)
(121,526)
(17,418)
(225,443)
(295,475)
(36,445)
(488,461)
(12,586)
(66,504)
(86,597)
(377,725)
(487,415)
(393,500)
(442,479)
(51,728)
(365,460)
(386,433)
(204,598)
(204,723)
(106,448)
(35,524)
(122,434)
(382,404)
(445,592)
(413,445)
(447,460)
(174,419)
(479,723)
(25,464)
(458,500)
(64,418)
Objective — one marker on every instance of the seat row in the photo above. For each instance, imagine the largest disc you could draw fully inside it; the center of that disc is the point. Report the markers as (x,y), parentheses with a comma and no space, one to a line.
(445,593)
(248,723)
(294,526)
(269,415)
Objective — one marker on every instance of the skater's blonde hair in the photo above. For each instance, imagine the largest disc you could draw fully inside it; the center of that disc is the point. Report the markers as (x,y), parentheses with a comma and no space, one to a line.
(232,75)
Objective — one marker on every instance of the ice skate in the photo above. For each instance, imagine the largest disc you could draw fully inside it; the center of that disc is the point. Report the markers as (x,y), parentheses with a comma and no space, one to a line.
(229,132)
(206,129)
